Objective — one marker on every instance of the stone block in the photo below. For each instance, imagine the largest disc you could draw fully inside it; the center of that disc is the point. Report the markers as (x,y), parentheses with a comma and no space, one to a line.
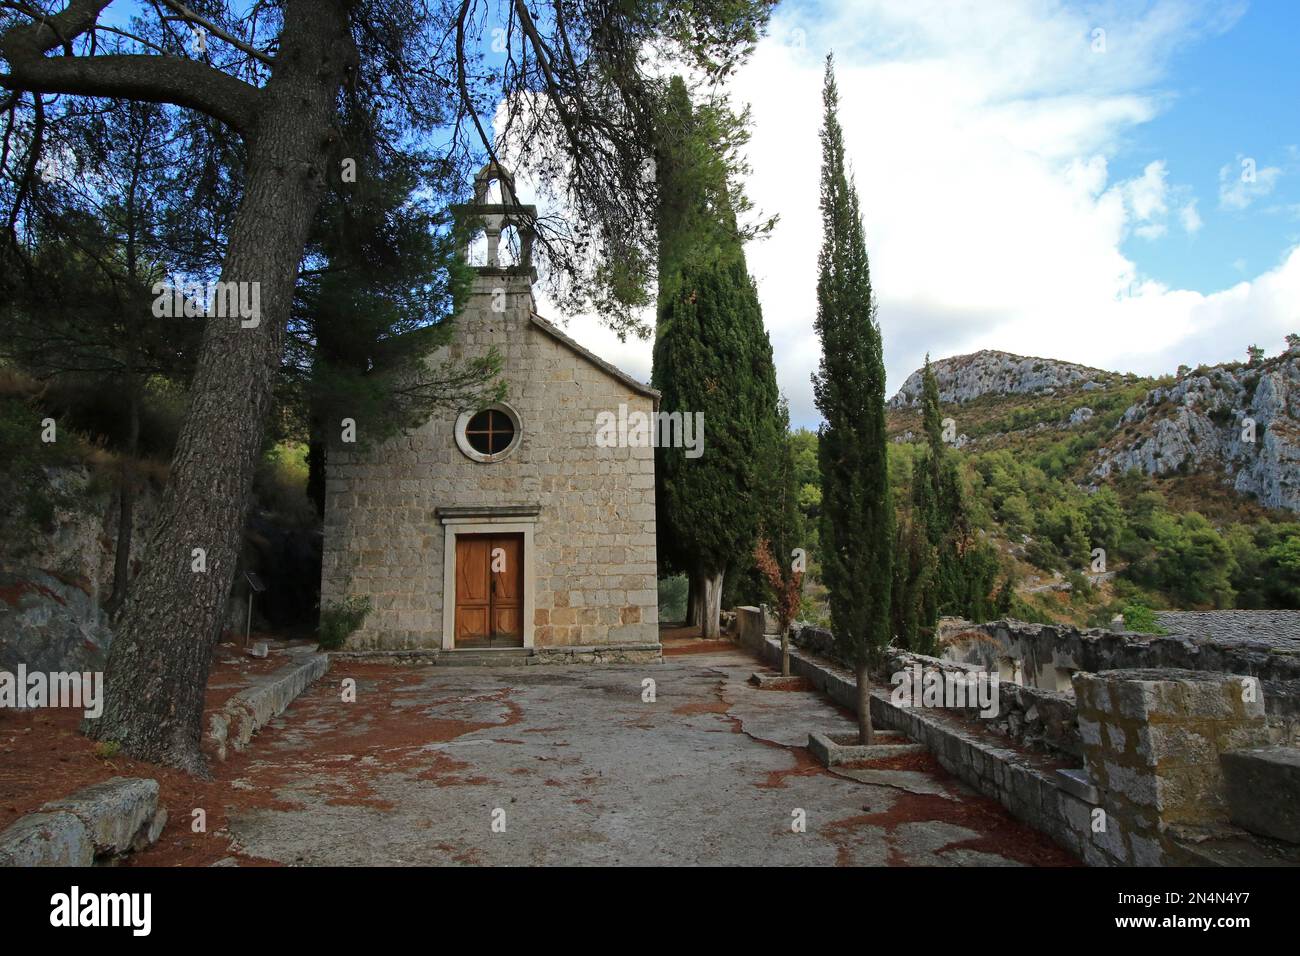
(1263,791)
(118,814)
(57,838)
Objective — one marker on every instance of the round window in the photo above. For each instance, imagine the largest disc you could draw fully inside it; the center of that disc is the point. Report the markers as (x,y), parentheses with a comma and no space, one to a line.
(489,434)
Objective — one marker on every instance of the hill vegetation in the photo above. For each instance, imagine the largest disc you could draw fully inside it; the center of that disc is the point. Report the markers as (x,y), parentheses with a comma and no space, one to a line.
(1076,546)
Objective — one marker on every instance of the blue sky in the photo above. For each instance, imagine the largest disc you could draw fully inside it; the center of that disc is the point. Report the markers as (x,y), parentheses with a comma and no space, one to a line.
(1231,96)
(1023,189)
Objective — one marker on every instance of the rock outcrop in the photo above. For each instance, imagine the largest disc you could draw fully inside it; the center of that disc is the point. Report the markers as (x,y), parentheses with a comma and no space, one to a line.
(963,378)
(50,624)
(1244,419)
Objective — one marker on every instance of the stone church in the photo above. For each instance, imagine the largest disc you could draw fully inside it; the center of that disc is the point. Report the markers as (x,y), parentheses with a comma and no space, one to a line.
(509,527)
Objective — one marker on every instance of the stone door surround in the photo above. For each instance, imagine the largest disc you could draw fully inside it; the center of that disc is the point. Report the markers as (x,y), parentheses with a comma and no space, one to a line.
(486,519)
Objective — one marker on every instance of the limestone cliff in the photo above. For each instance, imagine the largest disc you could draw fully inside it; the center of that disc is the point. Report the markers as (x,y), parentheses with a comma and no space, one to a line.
(963,378)
(1244,419)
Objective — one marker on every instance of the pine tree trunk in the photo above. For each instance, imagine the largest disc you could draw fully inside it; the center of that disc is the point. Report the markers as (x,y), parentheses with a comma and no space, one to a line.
(785,651)
(126,503)
(711,607)
(866,735)
(158,666)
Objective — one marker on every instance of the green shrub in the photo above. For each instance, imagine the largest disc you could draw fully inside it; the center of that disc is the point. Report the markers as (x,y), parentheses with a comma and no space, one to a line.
(1140,618)
(340,619)
(672,598)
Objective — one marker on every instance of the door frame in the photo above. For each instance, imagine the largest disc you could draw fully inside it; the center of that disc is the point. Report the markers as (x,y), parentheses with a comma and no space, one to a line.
(458,521)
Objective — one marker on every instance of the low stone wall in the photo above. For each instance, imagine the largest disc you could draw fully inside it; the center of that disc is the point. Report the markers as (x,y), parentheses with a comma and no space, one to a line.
(1050,654)
(253,708)
(750,628)
(599,654)
(1043,720)
(1149,788)
(96,824)
(1029,788)
(643,653)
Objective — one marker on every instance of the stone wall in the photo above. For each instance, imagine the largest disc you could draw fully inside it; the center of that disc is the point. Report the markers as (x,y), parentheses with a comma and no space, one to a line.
(1138,773)
(1042,720)
(1047,656)
(594,537)
(1152,741)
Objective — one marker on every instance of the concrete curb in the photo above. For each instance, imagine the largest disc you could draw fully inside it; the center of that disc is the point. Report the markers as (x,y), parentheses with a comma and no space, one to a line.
(99,822)
(254,707)
(833,754)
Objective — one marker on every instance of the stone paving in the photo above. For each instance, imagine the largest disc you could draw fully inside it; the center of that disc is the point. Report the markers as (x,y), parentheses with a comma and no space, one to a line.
(576,768)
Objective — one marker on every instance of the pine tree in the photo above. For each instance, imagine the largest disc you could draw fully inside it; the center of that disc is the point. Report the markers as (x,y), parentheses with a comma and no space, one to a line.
(378,300)
(711,356)
(857,510)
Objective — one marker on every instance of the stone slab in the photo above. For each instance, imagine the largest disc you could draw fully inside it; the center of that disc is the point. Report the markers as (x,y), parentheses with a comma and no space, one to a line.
(1263,787)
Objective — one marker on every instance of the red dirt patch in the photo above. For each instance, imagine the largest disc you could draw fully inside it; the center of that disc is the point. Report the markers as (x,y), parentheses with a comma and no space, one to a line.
(43,756)
(676,649)
(702,707)
(805,765)
(997,832)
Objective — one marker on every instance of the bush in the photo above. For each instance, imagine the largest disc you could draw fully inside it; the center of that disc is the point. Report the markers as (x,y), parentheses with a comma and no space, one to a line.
(340,619)
(672,598)
(1140,618)
(280,485)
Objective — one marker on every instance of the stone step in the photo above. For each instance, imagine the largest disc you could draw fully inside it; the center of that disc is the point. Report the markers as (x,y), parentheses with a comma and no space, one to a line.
(485,657)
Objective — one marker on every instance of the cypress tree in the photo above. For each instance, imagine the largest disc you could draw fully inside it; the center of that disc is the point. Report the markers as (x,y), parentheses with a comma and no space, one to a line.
(963,570)
(857,510)
(712,356)
(704,362)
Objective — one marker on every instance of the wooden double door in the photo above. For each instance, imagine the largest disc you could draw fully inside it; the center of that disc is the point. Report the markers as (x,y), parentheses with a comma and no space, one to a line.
(490,590)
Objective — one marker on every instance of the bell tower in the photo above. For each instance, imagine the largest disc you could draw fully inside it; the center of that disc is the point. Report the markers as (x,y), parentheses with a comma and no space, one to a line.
(509,218)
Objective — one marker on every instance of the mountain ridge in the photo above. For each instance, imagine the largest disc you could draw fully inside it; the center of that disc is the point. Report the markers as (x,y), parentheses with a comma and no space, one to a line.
(963,378)
(1241,419)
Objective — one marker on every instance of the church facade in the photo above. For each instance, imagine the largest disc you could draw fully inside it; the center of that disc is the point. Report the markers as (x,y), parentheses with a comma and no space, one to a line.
(515,526)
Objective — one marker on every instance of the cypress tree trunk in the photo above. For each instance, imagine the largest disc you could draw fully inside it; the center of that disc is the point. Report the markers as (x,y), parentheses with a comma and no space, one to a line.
(785,651)
(694,598)
(866,734)
(711,606)
(158,666)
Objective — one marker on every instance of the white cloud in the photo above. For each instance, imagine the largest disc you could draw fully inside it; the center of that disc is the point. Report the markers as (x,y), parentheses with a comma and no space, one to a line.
(1146,194)
(981,145)
(1242,182)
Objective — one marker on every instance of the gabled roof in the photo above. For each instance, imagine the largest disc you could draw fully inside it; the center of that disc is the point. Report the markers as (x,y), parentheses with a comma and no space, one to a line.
(595,359)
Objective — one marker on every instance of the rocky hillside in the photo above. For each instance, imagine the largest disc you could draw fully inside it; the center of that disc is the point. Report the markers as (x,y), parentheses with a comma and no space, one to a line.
(1198,422)
(1243,419)
(963,378)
